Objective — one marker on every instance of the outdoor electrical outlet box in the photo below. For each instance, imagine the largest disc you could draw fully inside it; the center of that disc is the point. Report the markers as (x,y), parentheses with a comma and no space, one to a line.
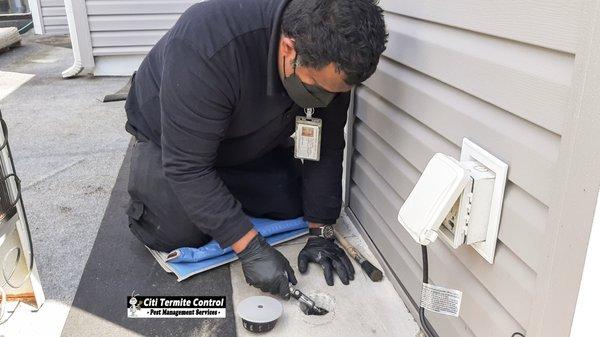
(460,202)
(440,185)
(477,210)
(464,222)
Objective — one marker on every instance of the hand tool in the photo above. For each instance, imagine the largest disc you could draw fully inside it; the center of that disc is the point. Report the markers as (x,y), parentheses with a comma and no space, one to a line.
(307,305)
(374,274)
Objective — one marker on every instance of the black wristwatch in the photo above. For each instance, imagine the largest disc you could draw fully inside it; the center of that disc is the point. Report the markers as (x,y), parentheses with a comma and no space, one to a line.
(323,231)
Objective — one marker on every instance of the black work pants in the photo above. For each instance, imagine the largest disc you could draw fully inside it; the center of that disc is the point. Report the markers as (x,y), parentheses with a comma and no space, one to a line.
(268,187)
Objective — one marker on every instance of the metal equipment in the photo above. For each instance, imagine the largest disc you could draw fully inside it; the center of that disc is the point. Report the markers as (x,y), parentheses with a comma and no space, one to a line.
(307,305)
(19,279)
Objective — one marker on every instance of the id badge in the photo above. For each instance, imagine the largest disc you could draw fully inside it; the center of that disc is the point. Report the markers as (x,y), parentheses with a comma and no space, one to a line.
(308,138)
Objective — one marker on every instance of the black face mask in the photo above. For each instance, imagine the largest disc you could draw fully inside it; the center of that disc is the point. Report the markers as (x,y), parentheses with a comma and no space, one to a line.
(305,95)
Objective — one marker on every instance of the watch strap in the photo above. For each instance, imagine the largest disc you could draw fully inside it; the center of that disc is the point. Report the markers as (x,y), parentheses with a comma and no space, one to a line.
(318,231)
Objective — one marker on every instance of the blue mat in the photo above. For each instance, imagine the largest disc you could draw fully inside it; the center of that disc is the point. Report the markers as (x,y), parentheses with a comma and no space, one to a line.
(188,261)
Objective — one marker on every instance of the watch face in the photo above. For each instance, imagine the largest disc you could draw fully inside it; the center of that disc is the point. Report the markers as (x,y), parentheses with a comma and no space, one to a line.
(328,232)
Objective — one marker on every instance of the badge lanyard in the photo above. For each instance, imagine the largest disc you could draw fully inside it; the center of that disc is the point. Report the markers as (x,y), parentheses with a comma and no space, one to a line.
(308,136)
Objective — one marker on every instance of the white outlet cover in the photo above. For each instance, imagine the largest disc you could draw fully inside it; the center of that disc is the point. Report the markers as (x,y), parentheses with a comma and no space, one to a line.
(439,186)
(472,151)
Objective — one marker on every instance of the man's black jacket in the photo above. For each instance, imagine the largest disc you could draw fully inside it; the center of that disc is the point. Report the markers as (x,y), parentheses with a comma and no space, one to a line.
(209,94)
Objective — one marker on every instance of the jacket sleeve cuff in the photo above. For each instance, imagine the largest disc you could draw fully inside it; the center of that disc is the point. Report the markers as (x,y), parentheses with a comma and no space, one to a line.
(323,221)
(229,233)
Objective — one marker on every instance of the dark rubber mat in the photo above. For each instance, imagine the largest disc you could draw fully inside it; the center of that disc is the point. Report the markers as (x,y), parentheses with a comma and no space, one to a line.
(120,95)
(118,265)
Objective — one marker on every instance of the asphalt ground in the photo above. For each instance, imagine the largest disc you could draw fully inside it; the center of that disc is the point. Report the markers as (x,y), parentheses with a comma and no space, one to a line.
(120,265)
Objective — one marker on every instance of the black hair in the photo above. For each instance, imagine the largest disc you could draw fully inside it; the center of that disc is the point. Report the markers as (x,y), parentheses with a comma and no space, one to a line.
(349,33)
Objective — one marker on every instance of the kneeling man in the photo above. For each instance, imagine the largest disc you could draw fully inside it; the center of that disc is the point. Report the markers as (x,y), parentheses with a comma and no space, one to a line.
(212,108)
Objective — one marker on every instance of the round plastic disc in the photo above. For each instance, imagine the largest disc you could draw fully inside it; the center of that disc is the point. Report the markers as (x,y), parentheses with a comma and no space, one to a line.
(260,309)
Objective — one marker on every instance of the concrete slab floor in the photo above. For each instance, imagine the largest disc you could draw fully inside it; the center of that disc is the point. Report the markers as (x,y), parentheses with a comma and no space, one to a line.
(362,308)
(68,148)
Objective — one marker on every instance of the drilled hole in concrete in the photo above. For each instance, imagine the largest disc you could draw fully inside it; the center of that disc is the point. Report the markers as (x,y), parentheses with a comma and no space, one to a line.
(324,301)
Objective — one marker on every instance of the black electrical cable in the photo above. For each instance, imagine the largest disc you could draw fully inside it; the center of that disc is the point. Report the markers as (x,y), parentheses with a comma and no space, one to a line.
(517,334)
(429,331)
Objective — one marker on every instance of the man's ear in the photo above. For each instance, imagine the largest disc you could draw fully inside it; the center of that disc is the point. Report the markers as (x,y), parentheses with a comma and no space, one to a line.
(287,48)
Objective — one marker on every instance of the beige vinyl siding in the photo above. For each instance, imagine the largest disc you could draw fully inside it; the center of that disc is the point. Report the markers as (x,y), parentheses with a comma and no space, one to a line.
(498,73)
(54,17)
(549,24)
(130,27)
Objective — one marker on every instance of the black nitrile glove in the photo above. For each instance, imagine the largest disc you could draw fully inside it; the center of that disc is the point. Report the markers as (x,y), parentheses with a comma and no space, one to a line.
(266,268)
(330,256)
